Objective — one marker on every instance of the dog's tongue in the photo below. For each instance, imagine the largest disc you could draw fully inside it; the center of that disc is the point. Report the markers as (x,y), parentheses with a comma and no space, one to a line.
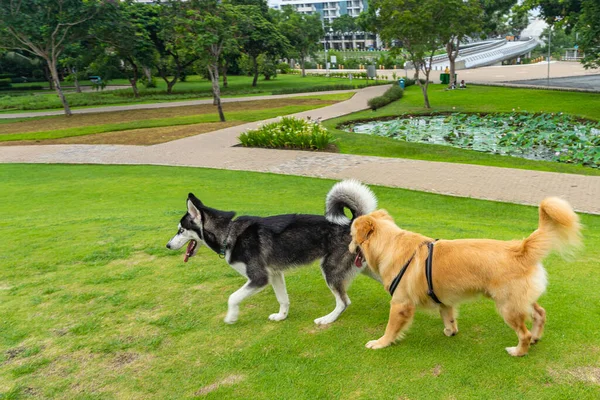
(188,253)
(359,258)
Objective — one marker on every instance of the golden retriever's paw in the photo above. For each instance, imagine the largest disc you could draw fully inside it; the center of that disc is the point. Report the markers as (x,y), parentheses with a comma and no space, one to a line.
(450,332)
(513,351)
(375,344)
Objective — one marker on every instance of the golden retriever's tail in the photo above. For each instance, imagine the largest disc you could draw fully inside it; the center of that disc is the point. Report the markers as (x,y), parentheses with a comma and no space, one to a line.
(559,229)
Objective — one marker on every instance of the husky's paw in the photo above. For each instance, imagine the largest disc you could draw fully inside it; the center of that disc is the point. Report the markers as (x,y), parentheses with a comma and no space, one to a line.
(230,320)
(514,352)
(375,344)
(450,332)
(325,320)
(277,317)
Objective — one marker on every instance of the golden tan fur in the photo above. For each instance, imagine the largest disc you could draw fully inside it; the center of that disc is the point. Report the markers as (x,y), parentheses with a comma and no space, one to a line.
(509,272)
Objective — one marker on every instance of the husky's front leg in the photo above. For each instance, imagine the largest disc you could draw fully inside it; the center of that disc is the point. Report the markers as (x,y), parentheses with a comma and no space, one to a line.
(251,287)
(278,283)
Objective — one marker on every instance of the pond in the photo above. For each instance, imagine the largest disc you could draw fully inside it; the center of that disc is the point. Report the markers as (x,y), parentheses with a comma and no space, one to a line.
(549,137)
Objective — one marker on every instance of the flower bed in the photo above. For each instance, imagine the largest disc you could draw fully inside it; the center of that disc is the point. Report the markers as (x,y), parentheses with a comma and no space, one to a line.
(289,133)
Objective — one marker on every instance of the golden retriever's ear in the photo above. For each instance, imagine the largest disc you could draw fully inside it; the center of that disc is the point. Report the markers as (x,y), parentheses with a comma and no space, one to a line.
(382,214)
(362,228)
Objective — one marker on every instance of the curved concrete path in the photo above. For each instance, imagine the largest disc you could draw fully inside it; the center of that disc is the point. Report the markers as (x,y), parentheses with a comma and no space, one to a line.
(215,150)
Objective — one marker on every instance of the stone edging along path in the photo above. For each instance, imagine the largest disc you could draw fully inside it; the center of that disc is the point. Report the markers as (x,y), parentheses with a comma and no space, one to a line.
(215,150)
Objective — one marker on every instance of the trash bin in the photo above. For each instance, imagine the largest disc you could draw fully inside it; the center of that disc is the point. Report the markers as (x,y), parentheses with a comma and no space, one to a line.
(445,78)
(401,83)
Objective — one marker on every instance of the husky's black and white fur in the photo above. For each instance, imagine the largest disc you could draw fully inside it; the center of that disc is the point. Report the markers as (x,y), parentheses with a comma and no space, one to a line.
(262,248)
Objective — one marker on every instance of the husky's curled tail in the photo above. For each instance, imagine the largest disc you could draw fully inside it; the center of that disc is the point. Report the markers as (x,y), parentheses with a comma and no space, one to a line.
(559,229)
(351,194)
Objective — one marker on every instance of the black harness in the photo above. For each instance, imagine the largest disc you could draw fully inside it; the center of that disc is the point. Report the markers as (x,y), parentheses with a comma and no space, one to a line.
(428,275)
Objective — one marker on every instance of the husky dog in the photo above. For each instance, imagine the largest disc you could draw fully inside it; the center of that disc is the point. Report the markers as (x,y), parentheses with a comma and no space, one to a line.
(262,248)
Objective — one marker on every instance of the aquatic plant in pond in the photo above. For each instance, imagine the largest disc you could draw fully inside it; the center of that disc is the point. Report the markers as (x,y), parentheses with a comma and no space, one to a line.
(551,137)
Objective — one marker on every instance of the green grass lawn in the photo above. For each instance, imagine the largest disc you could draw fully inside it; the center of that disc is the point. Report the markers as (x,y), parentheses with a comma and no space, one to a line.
(194,88)
(55,127)
(484,99)
(93,306)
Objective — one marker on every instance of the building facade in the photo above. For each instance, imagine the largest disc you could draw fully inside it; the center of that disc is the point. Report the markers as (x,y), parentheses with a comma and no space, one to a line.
(329,11)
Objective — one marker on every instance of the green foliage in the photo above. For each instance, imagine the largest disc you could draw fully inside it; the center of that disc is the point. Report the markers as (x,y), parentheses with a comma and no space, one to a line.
(392,94)
(283,68)
(289,133)
(540,136)
(475,99)
(5,83)
(303,31)
(581,16)
(344,23)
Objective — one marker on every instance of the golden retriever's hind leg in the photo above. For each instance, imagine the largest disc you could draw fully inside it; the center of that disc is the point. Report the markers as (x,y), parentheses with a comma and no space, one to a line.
(539,320)
(448,315)
(516,320)
(401,316)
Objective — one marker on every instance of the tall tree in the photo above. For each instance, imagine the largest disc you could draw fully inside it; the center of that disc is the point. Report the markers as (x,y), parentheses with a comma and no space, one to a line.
(418,29)
(494,12)
(172,60)
(45,28)
(303,32)
(581,16)
(463,19)
(128,39)
(260,37)
(208,28)
(344,23)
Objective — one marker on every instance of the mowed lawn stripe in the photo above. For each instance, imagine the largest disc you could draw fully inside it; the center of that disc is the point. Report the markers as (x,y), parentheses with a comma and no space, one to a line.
(244,116)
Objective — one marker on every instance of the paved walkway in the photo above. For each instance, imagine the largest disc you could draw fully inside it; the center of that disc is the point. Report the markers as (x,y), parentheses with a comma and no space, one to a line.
(215,150)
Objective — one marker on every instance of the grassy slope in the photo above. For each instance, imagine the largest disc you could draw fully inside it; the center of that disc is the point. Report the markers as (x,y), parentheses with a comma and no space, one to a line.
(193,88)
(474,99)
(93,306)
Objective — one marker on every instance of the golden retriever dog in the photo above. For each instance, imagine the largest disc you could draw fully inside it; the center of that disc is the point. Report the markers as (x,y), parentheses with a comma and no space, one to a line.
(509,272)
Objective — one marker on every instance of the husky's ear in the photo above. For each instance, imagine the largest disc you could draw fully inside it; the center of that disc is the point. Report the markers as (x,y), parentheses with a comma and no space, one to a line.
(382,214)
(193,210)
(362,228)
(195,200)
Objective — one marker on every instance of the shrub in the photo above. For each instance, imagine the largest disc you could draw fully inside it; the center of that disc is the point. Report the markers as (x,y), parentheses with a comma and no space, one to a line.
(392,94)
(283,68)
(289,133)
(409,82)
(5,83)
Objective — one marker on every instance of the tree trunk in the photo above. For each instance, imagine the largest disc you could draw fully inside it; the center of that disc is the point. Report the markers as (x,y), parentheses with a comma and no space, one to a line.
(425,86)
(213,71)
(255,68)
(224,73)
(302,65)
(48,76)
(452,51)
(76,82)
(61,95)
(148,73)
(170,85)
(133,80)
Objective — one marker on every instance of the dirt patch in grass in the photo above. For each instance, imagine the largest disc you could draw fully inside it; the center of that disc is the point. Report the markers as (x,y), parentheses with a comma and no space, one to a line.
(580,374)
(122,359)
(81,120)
(227,381)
